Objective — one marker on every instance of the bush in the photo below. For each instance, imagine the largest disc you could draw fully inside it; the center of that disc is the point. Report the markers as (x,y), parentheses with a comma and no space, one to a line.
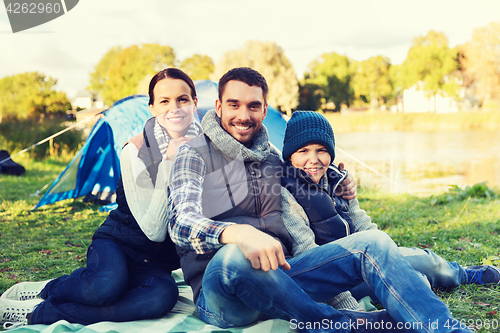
(18,134)
(455,193)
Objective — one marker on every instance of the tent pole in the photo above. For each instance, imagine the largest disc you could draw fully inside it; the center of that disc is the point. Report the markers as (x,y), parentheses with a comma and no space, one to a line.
(369,168)
(49,138)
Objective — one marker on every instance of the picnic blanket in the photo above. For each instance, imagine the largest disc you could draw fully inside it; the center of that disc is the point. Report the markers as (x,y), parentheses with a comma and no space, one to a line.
(182,318)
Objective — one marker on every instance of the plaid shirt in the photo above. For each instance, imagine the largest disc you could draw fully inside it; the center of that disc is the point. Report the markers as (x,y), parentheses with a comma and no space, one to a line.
(188,227)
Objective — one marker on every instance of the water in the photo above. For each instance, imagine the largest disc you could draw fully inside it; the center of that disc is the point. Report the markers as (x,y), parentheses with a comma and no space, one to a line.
(422,163)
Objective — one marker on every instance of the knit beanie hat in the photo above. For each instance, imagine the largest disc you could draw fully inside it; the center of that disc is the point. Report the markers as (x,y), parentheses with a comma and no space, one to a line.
(307,127)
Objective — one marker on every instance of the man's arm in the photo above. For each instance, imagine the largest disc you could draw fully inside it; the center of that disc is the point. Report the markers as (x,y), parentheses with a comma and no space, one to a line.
(188,227)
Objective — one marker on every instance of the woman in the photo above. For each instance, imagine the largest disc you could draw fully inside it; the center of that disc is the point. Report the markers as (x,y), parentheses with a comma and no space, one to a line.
(129,263)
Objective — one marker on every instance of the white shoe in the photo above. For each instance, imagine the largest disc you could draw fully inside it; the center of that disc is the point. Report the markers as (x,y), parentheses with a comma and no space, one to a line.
(16,311)
(24,291)
(10,325)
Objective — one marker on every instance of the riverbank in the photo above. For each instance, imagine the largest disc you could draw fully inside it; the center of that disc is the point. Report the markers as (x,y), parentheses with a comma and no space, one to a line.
(377,121)
(421,162)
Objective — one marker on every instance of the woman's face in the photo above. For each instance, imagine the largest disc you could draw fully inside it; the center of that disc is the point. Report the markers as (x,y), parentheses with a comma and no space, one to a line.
(173,106)
(313,159)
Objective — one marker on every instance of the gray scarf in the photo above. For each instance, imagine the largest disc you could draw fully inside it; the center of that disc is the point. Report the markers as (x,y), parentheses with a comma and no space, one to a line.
(259,151)
(163,138)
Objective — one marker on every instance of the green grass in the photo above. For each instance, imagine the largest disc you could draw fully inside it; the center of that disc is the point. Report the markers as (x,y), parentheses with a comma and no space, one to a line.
(48,242)
(461,225)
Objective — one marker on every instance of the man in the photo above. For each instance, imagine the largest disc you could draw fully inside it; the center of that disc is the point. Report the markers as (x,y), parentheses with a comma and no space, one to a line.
(226,219)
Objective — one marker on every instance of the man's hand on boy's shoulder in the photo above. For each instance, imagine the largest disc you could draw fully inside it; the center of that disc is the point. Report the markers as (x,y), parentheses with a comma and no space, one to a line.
(347,189)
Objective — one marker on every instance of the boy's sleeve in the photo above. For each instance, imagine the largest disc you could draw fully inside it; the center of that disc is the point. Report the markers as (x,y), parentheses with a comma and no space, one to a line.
(297,223)
(360,219)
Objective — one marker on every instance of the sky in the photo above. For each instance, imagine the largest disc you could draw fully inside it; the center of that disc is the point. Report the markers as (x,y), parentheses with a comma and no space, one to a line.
(69,47)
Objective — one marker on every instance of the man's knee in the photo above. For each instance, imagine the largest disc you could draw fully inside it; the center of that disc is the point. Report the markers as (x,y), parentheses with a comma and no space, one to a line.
(229,267)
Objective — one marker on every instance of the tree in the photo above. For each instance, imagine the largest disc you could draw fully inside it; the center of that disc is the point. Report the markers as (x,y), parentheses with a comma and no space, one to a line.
(270,60)
(482,61)
(120,72)
(198,66)
(310,96)
(396,78)
(31,94)
(332,73)
(431,61)
(371,80)
(99,76)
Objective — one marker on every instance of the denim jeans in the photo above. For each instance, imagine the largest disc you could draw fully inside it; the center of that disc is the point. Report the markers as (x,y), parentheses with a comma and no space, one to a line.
(235,294)
(439,272)
(113,287)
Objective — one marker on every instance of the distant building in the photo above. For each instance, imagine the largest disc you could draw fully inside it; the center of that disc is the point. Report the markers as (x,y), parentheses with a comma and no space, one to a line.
(85,100)
(88,106)
(417,100)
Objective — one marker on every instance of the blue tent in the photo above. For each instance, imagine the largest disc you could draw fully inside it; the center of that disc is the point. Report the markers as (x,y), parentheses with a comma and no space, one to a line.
(95,170)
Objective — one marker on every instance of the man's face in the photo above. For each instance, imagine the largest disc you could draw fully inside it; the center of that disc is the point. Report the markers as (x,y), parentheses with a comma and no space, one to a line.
(241,110)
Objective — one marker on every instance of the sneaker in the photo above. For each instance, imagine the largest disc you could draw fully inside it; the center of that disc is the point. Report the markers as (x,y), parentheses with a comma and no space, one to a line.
(485,274)
(371,322)
(24,291)
(10,325)
(16,311)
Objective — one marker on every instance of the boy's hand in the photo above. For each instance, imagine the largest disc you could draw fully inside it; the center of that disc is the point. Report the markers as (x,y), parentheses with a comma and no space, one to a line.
(348,188)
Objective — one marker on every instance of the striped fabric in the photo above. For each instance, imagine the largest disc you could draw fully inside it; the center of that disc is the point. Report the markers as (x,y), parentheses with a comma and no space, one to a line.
(182,318)
(162,137)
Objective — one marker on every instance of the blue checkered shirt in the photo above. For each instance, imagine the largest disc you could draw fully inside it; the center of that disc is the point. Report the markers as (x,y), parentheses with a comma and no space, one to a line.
(188,227)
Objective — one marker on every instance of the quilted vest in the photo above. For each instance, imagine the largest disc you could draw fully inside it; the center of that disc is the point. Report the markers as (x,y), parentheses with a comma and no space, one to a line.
(239,192)
(328,214)
(122,227)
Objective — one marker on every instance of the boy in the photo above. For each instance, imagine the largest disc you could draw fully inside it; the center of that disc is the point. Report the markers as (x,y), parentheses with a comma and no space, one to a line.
(312,178)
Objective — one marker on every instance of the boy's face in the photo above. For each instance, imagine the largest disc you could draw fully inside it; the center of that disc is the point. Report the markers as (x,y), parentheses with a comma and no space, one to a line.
(313,159)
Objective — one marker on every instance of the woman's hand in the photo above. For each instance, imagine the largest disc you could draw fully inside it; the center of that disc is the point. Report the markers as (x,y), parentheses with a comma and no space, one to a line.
(348,188)
(173,145)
